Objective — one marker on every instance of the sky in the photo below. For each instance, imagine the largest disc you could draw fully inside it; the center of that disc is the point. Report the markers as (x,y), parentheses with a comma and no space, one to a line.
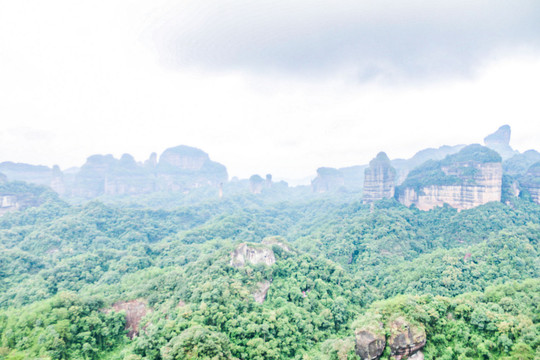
(280,87)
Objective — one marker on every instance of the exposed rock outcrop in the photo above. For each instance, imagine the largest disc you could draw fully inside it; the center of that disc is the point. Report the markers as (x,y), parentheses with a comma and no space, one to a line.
(57,180)
(464,180)
(253,254)
(369,344)
(268,182)
(328,179)
(179,169)
(8,203)
(19,195)
(379,179)
(184,168)
(256,184)
(262,289)
(405,339)
(500,142)
(184,158)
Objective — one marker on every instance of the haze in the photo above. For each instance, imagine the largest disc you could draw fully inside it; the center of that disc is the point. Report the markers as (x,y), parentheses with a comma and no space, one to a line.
(264,87)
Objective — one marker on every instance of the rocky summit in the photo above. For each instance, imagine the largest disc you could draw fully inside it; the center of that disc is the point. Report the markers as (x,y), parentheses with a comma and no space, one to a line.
(328,179)
(500,142)
(379,179)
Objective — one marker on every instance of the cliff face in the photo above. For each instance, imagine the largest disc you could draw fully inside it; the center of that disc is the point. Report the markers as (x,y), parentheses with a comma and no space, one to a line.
(485,187)
(254,255)
(500,142)
(182,168)
(179,169)
(184,158)
(468,179)
(256,184)
(17,196)
(379,179)
(328,179)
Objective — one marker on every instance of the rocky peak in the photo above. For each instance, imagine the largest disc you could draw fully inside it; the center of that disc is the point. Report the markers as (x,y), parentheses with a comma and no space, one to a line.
(57,180)
(500,142)
(152,161)
(328,179)
(256,184)
(499,137)
(268,180)
(370,344)
(184,158)
(379,179)
(127,161)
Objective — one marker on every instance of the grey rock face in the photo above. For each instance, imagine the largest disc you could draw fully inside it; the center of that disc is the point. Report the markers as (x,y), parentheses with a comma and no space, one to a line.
(500,142)
(499,137)
(369,346)
(245,254)
(262,289)
(379,179)
(406,339)
(256,184)
(328,179)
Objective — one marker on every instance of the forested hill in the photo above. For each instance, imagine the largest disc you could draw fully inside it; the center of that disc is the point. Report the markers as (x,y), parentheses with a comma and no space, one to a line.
(327,278)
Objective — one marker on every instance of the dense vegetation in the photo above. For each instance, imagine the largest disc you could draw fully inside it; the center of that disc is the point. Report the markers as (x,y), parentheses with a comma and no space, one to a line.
(466,278)
(432,172)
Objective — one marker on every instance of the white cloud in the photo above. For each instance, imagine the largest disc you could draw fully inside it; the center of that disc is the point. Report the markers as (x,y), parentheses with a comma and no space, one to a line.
(78,80)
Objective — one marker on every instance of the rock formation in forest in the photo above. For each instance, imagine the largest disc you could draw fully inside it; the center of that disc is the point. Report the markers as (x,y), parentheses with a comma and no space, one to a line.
(379,179)
(328,179)
(470,178)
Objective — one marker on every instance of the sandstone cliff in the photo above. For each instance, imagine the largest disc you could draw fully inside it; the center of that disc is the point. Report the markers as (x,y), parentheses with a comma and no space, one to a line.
(179,169)
(379,179)
(328,179)
(464,180)
(184,168)
(252,254)
(256,184)
(19,195)
(405,339)
(500,142)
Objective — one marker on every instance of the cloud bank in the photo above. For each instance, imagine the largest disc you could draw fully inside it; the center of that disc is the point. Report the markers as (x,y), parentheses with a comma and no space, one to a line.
(367,39)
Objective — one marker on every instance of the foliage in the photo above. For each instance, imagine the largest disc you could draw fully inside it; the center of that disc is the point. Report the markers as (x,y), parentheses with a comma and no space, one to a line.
(464,276)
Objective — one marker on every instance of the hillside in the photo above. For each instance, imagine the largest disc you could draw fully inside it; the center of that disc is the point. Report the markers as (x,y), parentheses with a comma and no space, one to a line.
(331,264)
(437,257)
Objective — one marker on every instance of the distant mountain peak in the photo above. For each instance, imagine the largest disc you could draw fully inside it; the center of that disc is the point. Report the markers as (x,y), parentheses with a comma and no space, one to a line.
(499,137)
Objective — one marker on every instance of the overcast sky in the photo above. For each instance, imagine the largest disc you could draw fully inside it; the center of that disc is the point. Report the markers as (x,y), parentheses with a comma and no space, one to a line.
(279,86)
